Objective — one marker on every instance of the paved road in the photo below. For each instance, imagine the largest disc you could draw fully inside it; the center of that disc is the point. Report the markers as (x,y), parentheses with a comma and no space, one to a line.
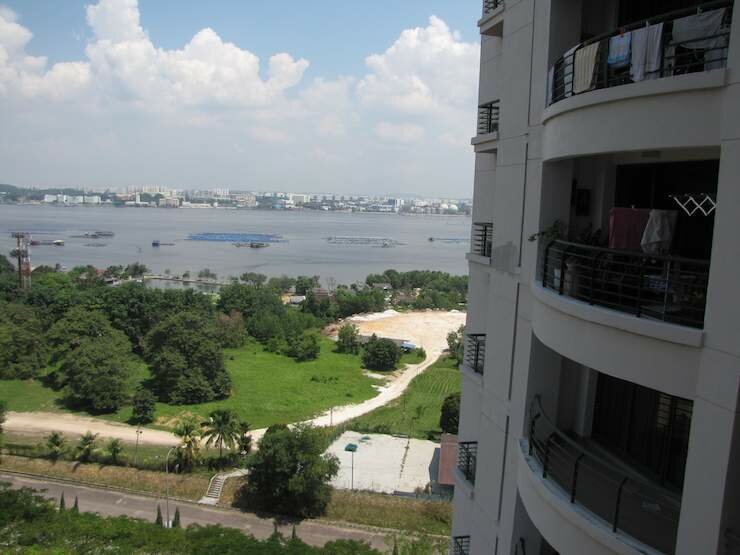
(114,503)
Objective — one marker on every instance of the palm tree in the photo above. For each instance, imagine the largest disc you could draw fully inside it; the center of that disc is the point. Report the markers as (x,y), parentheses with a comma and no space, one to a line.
(86,446)
(221,428)
(55,443)
(189,433)
(114,448)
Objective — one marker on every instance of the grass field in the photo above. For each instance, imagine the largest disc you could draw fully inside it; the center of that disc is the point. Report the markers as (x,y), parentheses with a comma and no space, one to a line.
(416,412)
(267,388)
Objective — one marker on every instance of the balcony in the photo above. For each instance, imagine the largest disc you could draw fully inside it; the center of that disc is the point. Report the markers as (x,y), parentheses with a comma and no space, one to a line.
(621,499)
(482,239)
(670,289)
(683,48)
(488,117)
(467,454)
(475,352)
(461,545)
(490,6)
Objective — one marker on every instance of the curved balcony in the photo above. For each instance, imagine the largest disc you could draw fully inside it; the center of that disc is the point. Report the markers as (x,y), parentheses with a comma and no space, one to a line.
(605,62)
(486,139)
(665,288)
(620,503)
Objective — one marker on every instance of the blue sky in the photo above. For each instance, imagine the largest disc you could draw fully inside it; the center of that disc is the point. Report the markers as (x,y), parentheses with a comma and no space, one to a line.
(402,111)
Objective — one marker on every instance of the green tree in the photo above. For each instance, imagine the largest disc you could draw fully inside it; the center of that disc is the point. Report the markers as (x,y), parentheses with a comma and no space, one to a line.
(136,270)
(290,474)
(187,363)
(348,339)
(253,278)
(188,452)
(306,347)
(55,443)
(176,520)
(86,446)
(98,371)
(244,441)
(114,447)
(221,428)
(230,329)
(449,417)
(303,284)
(62,504)
(78,324)
(381,354)
(456,344)
(3,416)
(22,344)
(76,506)
(159,521)
(144,405)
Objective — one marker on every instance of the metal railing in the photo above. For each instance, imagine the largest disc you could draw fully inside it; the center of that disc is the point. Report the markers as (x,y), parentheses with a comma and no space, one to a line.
(482,239)
(667,288)
(475,352)
(461,545)
(732,543)
(491,5)
(677,56)
(467,453)
(488,116)
(624,500)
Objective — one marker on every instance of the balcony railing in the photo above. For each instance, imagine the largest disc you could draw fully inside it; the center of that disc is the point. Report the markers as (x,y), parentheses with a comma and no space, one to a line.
(461,545)
(678,55)
(488,115)
(475,352)
(490,6)
(467,453)
(625,501)
(666,288)
(482,239)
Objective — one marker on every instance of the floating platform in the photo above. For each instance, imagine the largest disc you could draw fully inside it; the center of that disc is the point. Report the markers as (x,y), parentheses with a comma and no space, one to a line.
(247,238)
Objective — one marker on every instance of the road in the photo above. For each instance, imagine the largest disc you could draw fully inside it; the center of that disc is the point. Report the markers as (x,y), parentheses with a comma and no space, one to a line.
(113,503)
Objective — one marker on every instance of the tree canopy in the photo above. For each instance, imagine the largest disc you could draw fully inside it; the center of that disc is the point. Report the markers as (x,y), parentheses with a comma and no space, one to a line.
(381,354)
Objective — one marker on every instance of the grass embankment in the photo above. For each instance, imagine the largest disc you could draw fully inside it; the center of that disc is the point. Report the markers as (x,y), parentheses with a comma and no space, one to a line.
(416,412)
(267,388)
(187,486)
(375,509)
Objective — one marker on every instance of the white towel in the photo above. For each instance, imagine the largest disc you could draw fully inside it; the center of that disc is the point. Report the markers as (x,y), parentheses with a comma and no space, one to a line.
(583,69)
(646,52)
(658,234)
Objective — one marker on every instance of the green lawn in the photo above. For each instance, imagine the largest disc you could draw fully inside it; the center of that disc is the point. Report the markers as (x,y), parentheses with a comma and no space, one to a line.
(416,412)
(267,388)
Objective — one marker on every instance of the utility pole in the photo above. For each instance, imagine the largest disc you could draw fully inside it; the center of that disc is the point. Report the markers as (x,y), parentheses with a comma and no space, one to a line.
(139,431)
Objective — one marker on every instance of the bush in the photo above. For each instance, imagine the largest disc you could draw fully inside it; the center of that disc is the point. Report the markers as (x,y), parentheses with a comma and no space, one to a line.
(449,417)
(144,405)
(381,354)
(290,473)
(307,347)
(348,339)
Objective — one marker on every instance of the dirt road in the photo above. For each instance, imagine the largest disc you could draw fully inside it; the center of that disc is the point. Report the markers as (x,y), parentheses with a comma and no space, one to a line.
(427,329)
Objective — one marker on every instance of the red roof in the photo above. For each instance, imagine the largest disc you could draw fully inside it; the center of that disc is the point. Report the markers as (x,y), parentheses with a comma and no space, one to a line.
(447,460)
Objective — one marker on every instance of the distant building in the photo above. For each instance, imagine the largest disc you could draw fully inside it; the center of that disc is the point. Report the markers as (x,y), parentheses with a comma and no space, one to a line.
(91,199)
(169,202)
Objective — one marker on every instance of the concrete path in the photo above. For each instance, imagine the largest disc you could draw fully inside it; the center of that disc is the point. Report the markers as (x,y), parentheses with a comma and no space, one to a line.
(113,503)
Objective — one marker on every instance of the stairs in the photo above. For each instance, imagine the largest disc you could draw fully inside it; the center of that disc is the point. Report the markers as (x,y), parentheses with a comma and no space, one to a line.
(216,486)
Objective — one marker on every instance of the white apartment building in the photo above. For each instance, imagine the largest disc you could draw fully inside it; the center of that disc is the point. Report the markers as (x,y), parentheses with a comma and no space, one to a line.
(599,410)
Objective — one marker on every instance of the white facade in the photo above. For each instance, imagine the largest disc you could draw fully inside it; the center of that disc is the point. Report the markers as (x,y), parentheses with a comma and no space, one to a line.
(599,411)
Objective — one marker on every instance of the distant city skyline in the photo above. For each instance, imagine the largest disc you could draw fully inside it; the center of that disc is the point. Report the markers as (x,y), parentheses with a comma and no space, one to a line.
(120,92)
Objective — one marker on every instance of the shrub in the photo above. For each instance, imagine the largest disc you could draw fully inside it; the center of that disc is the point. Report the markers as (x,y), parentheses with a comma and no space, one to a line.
(381,354)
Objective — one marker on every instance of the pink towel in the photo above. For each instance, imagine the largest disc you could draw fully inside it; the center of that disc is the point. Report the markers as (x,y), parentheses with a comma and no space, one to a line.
(626,226)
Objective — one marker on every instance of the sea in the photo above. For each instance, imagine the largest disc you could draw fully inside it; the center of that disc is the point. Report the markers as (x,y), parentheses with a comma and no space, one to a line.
(303,246)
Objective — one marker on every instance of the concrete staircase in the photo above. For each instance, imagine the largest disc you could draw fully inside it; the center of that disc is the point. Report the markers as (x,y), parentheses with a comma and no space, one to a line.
(216,486)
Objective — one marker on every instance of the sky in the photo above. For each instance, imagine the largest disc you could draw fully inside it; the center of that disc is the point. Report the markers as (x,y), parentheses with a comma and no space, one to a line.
(328,96)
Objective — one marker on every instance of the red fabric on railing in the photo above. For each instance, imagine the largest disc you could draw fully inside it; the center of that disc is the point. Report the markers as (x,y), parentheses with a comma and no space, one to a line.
(626,226)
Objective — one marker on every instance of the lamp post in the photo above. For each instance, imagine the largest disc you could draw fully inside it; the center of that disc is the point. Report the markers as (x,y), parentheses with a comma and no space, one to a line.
(139,431)
(352,447)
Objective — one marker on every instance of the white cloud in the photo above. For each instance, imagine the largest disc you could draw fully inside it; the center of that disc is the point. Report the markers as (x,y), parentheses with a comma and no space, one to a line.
(399,132)
(197,105)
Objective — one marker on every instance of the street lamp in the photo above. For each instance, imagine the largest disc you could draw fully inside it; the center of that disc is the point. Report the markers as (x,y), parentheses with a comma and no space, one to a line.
(352,447)
(139,431)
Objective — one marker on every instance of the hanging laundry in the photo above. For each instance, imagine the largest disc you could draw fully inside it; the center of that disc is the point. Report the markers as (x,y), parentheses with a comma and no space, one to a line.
(659,231)
(620,50)
(626,227)
(699,32)
(647,50)
(583,68)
